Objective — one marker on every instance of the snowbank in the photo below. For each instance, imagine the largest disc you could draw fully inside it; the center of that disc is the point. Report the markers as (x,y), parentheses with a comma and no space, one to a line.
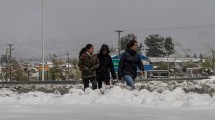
(200,86)
(115,95)
(151,94)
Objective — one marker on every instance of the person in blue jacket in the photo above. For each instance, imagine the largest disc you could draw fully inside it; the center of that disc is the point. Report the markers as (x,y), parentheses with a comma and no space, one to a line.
(128,64)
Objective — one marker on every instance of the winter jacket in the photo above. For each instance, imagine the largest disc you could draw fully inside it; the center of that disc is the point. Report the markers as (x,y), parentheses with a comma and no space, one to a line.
(88,65)
(106,67)
(128,64)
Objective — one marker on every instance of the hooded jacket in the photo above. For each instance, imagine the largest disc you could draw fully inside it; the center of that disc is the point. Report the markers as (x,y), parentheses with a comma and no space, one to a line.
(88,65)
(106,65)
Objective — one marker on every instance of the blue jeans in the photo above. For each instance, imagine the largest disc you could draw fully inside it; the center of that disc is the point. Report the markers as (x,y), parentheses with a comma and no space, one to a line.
(129,81)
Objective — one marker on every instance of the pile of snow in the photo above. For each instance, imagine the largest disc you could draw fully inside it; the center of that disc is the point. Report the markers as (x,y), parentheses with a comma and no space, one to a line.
(151,94)
(199,86)
(115,95)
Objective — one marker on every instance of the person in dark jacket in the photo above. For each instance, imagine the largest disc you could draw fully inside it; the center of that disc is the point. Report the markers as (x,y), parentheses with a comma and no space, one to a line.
(88,63)
(128,64)
(106,67)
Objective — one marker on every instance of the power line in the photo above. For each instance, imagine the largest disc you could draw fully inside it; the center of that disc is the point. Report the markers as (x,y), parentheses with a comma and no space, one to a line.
(119,45)
(89,36)
(173,28)
(21,46)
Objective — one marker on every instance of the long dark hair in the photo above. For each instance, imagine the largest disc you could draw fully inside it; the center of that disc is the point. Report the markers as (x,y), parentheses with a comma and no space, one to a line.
(88,46)
(104,47)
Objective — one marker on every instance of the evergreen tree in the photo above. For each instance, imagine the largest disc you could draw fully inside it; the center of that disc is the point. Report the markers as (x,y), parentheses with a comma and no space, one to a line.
(56,71)
(140,48)
(201,56)
(169,46)
(195,56)
(158,46)
(125,40)
(155,46)
(112,49)
(3,59)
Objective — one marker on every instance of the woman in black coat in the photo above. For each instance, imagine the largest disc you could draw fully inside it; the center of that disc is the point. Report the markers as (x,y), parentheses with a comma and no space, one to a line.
(106,67)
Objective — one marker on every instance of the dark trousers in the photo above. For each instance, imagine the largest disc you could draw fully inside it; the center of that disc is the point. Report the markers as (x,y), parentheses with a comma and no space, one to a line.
(107,82)
(92,80)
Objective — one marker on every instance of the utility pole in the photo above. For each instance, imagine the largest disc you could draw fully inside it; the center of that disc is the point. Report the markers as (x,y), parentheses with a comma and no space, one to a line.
(43,41)
(66,53)
(10,45)
(168,65)
(6,63)
(68,66)
(213,60)
(175,68)
(119,45)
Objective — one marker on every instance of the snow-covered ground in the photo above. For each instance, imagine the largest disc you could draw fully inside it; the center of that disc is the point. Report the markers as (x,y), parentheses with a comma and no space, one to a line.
(151,101)
(101,112)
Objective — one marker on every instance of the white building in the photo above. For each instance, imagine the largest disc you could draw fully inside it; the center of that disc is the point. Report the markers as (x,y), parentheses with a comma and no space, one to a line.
(173,59)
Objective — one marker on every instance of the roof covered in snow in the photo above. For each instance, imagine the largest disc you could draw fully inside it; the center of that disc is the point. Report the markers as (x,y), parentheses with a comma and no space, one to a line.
(173,59)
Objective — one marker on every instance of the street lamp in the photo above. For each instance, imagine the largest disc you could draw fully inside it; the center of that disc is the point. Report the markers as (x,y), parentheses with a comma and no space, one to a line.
(68,66)
(213,60)
(10,73)
(43,40)
(66,53)
(119,45)
(168,65)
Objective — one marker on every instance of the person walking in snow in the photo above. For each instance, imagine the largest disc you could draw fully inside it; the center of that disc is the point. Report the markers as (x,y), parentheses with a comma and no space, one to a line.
(106,67)
(128,64)
(88,63)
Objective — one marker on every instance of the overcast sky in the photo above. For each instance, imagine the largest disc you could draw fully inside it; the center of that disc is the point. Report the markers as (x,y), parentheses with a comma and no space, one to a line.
(70,24)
